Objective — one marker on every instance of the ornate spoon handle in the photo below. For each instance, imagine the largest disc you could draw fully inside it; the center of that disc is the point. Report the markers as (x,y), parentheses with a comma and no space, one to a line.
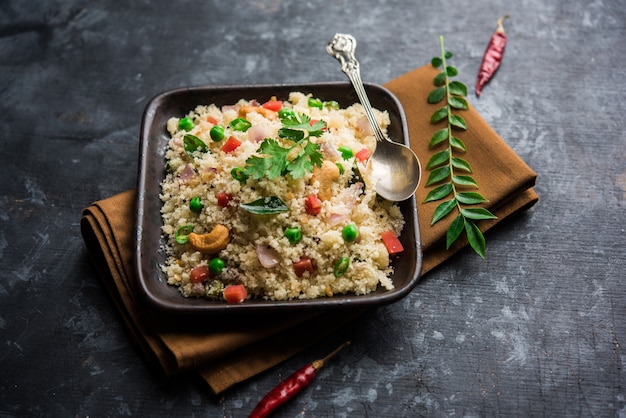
(342,47)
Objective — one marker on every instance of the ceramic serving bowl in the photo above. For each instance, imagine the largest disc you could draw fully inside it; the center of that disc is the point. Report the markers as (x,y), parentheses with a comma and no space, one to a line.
(149,242)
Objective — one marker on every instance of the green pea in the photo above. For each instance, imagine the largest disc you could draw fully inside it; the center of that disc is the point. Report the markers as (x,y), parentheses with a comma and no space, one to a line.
(240,124)
(317,103)
(294,235)
(182,234)
(195,205)
(350,233)
(341,169)
(217,133)
(238,174)
(185,124)
(346,152)
(216,265)
(341,266)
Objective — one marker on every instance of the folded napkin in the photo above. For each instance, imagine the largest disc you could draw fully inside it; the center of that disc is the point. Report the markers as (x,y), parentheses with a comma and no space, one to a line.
(225,354)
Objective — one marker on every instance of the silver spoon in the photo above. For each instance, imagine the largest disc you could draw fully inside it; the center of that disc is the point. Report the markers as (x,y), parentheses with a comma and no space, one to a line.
(395,167)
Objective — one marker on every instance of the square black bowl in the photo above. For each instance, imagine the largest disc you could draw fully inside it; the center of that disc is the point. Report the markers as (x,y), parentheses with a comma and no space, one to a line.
(149,242)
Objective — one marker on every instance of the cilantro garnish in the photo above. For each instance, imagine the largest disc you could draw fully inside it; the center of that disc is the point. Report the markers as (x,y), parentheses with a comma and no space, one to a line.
(297,157)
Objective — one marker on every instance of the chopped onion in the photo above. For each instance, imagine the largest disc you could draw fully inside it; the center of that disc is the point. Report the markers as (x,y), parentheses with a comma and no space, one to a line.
(329,150)
(257,133)
(187,174)
(268,257)
(364,126)
(335,219)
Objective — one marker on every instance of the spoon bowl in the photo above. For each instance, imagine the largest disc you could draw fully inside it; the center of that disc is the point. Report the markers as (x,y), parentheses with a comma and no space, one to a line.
(395,168)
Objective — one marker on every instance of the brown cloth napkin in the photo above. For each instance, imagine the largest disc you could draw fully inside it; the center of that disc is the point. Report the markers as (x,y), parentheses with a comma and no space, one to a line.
(224,354)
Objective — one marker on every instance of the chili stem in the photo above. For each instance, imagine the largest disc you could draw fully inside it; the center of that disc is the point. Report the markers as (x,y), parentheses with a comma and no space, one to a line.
(500,28)
(318,364)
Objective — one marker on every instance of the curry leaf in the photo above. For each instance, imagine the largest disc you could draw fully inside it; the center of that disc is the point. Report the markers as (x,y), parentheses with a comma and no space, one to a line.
(438,193)
(470,198)
(265,206)
(436,95)
(438,159)
(439,115)
(454,231)
(477,213)
(475,238)
(464,181)
(458,122)
(442,210)
(440,79)
(457,143)
(438,137)
(461,164)
(458,103)
(457,88)
(438,174)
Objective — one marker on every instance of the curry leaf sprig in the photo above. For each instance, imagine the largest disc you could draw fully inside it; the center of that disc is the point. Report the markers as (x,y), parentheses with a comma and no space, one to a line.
(450,173)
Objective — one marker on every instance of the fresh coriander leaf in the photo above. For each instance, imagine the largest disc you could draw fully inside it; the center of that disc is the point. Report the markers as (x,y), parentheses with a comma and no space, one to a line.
(436,95)
(273,165)
(454,230)
(438,193)
(300,121)
(294,135)
(442,210)
(305,160)
(475,238)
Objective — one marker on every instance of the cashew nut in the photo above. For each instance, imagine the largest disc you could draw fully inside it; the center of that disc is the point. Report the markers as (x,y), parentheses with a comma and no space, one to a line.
(267,113)
(212,242)
(324,176)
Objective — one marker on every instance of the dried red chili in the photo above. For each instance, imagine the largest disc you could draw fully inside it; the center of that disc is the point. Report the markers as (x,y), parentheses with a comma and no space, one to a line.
(291,386)
(493,56)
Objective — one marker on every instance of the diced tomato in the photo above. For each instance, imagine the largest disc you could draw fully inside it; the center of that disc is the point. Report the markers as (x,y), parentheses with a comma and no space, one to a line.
(223,199)
(199,274)
(212,120)
(235,293)
(303,265)
(274,105)
(363,155)
(231,144)
(392,243)
(313,205)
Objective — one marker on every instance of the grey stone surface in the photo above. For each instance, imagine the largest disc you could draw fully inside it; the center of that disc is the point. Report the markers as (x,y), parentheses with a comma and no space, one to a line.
(536,329)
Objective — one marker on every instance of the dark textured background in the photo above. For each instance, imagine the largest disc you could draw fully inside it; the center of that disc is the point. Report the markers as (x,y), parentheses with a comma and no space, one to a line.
(536,329)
